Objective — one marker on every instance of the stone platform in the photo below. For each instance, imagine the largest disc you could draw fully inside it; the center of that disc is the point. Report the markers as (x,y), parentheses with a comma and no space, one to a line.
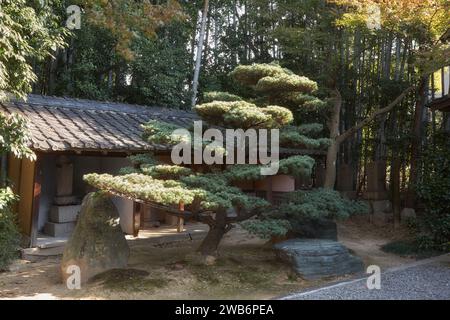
(316,258)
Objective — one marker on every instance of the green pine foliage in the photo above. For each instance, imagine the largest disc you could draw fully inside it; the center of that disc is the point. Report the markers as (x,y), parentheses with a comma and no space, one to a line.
(293,137)
(251,74)
(242,114)
(219,96)
(267,228)
(296,166)
(285,83)
(208,192)
(213,190)
(320,203)
(301,206)
(160,132)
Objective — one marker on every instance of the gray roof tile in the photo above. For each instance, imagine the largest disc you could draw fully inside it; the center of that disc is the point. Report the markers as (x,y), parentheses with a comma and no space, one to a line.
(61,124)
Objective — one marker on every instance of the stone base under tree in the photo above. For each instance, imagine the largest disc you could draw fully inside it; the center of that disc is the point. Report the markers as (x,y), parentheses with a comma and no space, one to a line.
(315,258)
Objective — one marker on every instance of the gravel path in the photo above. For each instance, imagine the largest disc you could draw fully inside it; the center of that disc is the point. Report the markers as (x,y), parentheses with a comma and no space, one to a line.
(426,279)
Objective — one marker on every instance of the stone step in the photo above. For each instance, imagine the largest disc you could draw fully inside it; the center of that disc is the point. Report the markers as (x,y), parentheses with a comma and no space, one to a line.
(37,254)
(59,229)
(62,214)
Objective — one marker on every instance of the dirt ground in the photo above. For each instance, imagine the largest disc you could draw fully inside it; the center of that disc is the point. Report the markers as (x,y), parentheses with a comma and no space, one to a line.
(246,269)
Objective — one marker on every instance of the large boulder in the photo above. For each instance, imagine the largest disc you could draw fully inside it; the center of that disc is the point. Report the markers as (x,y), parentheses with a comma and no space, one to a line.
(97,243)
(314,229)
(315,258)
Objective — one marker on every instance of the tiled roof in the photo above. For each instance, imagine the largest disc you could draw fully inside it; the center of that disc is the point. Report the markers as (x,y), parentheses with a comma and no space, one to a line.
(62,124)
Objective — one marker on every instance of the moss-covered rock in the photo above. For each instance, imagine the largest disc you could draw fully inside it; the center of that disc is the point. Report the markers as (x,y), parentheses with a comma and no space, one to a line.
(97,243)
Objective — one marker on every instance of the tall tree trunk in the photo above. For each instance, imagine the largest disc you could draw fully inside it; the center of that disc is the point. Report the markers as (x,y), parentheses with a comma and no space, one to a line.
(198,62)
(330,173)
(337,139)
(4,170)
(416,141)
(395,188)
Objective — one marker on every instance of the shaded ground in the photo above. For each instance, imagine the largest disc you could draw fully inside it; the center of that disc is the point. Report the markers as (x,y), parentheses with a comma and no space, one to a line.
(427,279)
(366,241)
(246,269)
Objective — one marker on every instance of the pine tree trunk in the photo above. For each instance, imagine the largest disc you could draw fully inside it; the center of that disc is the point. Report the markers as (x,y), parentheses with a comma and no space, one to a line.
(211,242)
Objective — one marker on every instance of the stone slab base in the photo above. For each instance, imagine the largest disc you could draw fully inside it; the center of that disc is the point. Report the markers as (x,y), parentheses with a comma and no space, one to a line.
(59,229)
(66,200)
(315,259)
(62,214)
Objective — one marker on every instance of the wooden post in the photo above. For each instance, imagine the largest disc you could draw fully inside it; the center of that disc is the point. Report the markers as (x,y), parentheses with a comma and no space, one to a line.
(36,199)
(180,223)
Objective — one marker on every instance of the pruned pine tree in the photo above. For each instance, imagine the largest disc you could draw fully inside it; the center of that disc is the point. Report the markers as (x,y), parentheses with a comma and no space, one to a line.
(211,196)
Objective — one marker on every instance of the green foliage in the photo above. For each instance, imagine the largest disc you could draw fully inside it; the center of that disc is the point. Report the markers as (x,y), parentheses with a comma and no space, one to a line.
(28,32)
(267,228)
(161,68)
(160,132)
(242,114)
(14,136)
(165,172)
(285,83)
(142,158)
(243,172)
(219,96)
(310,129)
(292,137)
(401,247)
(300,206)
(245,116)
(88,76)
(127,20)
(320,203)
(9,234)
(207,191)
(251,74)
(280,116)
(296,166)
(410,248)
(140,186)
(272,84)
(434,192)
(6,198)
